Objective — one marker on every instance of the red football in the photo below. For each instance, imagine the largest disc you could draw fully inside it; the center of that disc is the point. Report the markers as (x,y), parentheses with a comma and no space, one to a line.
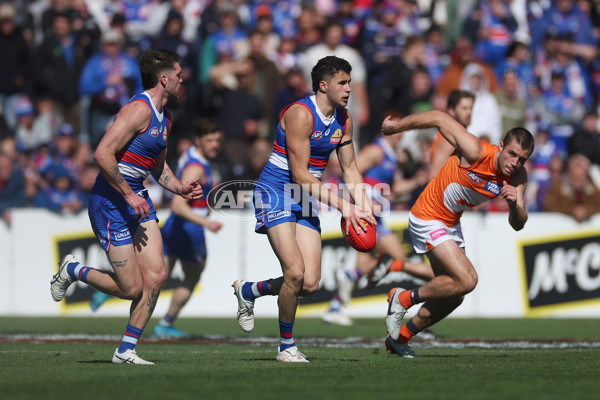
(364,242)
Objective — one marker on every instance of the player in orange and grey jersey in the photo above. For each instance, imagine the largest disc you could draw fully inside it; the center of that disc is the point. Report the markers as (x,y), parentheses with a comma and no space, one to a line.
(476,172)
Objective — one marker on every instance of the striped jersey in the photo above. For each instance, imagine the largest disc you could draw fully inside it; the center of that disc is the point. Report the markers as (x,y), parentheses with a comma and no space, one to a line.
(327,134)
(385,170)
(138,158)
(187,159)
(456,188)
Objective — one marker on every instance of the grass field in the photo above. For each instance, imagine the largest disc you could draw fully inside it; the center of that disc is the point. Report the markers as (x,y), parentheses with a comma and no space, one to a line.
(69,358)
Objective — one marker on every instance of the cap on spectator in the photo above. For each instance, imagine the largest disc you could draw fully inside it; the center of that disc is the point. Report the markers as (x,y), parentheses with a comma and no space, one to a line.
(7,11)
(263,10)
(174,14)
(59,171)
(543,126)
(65,130)
(24,107)
(112,36)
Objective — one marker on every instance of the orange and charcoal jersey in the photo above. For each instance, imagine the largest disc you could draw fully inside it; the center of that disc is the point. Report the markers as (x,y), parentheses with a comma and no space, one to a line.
(456,188)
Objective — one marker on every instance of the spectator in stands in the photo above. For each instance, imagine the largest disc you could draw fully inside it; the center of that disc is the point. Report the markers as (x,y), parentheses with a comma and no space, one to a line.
(486,121)
(491,26)
(14,63)
(559,110)
(462,55)
(110,78)
(332,45)
(33,129)
(131,47)
(574,194)
(546,163)
(264,24)
(556,59)
(268,78)
(12,187)
(518,59)
(238,110)
(62,195)
(60,154)
(512,107)
(59,62)
(586,139)
(309,29)
(294,88)
(396,88)
(183,108)
(565,18)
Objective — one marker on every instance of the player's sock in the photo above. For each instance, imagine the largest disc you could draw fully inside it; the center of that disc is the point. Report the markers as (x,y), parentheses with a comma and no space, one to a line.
(355,274)
(396,266)
(286,337)
(252,290)
(130,338)
(409,298)
(335,305)
(166,321)
(78,271)
(407,331)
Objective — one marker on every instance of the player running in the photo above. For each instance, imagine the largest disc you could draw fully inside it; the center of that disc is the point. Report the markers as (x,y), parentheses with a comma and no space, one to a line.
(286,210)
(120,209)
(477,172)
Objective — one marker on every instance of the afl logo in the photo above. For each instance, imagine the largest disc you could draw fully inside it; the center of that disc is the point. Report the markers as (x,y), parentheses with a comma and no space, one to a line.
(474,177)
(317,135)
(154,132)
(336,137)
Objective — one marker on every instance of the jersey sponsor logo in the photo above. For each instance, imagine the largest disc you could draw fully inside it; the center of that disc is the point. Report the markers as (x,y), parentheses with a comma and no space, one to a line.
(165,134)
(122,235)
(336,137)
(317,135)
(278,215)
(438,233)
(492,187)
(473,176)
(154,132)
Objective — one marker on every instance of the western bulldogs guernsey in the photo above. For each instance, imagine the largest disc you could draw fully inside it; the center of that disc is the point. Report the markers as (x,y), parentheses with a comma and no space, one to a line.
(378,176)
(276,199)
(112,219)
(181,237)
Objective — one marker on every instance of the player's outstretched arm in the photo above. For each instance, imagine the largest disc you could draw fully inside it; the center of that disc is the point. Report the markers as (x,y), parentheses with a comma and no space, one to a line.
(468,145)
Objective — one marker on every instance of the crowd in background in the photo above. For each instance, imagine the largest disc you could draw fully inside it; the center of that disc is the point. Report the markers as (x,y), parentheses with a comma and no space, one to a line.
(67,66)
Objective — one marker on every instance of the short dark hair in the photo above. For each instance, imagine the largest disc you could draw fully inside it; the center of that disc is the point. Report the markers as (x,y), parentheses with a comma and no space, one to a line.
(153,63)
(456,96)
(326,68)
(204,126)
(523,137)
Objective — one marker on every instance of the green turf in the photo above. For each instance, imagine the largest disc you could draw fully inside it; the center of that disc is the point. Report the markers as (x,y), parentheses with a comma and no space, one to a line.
(248,372)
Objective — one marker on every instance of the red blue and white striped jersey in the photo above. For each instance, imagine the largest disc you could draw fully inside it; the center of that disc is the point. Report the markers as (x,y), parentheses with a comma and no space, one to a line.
(327,134)
(384,171)
(138,158)
(187,159)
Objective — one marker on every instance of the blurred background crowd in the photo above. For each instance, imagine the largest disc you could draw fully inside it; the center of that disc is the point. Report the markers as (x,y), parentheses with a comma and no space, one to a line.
(67,66)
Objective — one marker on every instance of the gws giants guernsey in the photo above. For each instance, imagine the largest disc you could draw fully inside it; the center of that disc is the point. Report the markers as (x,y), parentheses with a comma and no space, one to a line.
(456,188)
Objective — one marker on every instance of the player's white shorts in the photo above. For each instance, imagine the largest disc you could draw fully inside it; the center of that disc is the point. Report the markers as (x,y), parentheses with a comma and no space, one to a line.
(426,235)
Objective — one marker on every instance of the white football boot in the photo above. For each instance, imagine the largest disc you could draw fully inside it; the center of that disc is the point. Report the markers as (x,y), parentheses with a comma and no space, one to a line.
(291,355)
(395,314)
(61,281)
(245,313)
(129,357)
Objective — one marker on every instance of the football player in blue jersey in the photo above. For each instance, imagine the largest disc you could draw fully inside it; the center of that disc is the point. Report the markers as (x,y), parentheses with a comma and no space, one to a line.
(120,210)
(284,198)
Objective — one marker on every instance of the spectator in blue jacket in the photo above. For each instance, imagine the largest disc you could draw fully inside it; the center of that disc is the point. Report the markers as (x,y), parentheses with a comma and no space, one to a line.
(110,78)
(12,187)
